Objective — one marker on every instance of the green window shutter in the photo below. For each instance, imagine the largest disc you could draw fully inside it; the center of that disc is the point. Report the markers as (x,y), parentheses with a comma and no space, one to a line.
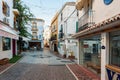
(76,26)
(58,44)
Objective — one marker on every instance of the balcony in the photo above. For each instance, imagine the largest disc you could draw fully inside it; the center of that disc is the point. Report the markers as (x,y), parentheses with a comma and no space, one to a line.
(34,29)
(61,35)
(54,37)
(16,26)
(79,4)
(34,37)
(86,20)
(15,10)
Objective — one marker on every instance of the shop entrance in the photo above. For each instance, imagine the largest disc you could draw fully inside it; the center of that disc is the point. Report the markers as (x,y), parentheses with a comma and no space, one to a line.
(92,53)
(13,47)
(55,47)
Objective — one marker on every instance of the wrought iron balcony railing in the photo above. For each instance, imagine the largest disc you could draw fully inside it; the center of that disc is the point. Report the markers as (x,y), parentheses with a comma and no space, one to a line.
(34,37)
(86,20)
(53,38)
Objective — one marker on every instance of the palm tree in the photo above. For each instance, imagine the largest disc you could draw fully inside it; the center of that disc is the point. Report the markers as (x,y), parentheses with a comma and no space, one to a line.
(23,18)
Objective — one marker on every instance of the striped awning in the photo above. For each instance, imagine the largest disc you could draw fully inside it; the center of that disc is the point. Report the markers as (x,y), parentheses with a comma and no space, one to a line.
(79,4)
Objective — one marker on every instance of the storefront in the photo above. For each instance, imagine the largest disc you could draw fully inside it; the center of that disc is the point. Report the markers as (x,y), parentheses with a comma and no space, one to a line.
(114,56)
(90,53)
(8,39)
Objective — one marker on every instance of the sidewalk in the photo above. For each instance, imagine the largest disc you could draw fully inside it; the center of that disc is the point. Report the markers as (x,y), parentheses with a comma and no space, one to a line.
(82,73)
(4,67)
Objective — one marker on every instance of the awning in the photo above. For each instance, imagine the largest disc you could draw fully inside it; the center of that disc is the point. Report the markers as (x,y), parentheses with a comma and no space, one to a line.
(79,4)
(6,31)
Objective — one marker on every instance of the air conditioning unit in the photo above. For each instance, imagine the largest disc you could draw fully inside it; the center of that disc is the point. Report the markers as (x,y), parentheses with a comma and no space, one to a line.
(6,20)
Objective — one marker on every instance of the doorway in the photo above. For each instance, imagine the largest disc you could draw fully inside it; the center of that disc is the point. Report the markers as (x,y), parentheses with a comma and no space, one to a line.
(14,47)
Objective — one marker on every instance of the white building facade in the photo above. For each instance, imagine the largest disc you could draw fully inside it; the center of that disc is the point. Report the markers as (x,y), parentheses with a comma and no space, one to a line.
(8,36)
(36,28)
(67,21)
(99,37)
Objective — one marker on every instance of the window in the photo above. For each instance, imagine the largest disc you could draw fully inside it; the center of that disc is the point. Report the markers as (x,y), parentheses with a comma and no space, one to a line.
(6,43)
(40,36)
(34,33)
(34,25)
(115,48)
(6,9)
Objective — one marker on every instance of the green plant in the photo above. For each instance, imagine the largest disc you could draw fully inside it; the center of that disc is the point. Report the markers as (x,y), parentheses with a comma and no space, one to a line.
(15,59)
(23,17)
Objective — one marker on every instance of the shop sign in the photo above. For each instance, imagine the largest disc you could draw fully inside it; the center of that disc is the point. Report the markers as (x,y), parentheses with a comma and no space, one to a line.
(107,2)
(112,75)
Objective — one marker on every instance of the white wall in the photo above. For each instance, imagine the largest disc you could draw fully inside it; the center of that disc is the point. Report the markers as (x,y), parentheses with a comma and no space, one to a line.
(0,43)
(11,17)
(40,28)
(103,11)
(7,53)
(0,10)
(104,54)
(69,27)
(69,24)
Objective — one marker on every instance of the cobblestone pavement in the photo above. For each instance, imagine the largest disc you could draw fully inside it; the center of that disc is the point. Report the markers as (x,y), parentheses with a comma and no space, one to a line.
(43,57)
(39,66)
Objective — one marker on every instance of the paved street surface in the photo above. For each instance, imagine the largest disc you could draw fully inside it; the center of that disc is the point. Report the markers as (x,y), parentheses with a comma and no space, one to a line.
(40,65)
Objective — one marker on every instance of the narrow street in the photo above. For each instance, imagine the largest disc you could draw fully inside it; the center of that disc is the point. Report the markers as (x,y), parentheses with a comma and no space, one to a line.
(39,65)
(60,40)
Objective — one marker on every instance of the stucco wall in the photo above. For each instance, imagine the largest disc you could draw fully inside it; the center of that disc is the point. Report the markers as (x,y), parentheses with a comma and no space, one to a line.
(103,11)
(11,17)
(68,23)
(7,53)
(71,23)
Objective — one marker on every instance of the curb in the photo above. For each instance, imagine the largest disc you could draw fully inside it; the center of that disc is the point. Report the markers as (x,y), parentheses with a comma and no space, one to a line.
(10,66)
(72,72)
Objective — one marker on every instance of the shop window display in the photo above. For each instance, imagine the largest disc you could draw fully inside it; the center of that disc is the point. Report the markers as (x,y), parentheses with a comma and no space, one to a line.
(115,49)
(6,43)
(92,53)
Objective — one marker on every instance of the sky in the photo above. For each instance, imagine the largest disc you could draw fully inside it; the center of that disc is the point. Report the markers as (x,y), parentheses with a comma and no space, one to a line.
(45,9)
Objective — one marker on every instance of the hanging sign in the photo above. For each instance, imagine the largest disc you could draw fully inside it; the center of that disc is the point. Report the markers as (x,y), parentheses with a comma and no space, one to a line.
(107,2)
